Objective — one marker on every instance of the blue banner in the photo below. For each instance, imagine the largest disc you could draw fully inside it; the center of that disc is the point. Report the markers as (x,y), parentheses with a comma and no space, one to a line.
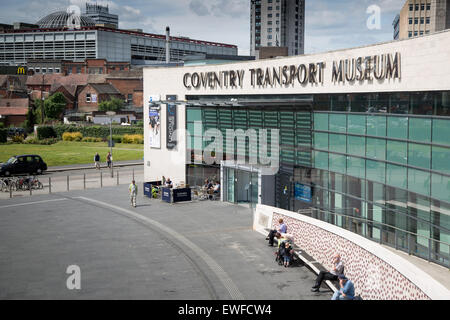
(302,192)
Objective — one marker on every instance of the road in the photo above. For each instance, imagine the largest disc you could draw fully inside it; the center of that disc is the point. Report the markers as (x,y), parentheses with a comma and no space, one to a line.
(203,250)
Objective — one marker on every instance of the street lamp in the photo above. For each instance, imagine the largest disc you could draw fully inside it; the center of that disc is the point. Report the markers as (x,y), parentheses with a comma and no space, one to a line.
(111,115)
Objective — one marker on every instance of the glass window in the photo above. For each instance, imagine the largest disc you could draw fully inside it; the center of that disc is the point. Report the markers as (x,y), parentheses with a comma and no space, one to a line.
(338,122)
(356,167)
(441,131)
(321,121)
(420,129)
(442,103)
(356,145)
(356,124)
(376,126)
(321,140)
(321,160)
(440,188)
(376,149)
(397,127)
(396,176)
(422,103)
(338,143)
(194,114)
(441,159)
(337,163)
(419,155)
(376,171)
(419,181)
(397,151)
(337,182)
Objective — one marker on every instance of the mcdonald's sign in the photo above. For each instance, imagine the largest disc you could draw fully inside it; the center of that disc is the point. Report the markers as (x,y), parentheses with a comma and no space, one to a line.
(13,70)
(21,70)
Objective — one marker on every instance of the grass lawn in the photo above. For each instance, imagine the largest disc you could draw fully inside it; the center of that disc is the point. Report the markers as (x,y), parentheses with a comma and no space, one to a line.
(67,153)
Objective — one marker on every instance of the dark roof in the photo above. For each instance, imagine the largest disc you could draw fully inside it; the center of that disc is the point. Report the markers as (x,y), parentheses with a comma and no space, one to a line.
(14,103)
(104,88)
(132,74)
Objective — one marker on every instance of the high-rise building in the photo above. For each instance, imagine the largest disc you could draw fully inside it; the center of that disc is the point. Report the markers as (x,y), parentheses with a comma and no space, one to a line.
(100,14)
(277,23)
(420,17)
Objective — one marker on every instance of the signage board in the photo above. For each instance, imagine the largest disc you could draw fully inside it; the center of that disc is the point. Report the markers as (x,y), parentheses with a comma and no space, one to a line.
(154,125)
(302,192)
(171,123)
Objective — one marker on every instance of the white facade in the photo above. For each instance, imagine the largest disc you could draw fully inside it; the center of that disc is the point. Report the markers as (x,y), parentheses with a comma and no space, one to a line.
(424,65)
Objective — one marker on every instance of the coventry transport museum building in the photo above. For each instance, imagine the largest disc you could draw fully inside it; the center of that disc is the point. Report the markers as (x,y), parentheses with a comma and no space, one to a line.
(361,135)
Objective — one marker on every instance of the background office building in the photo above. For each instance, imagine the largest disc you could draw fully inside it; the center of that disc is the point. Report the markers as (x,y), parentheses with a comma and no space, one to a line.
(54,41)
(367,150)
(100,15)
(421,17)
(277,23)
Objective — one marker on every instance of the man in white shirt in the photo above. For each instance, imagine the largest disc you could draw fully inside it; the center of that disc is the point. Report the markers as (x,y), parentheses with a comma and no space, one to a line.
(133,190)
(338,269)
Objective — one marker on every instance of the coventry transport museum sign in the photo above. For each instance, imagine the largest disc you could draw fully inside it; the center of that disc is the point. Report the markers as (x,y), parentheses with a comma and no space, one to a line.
(369,68)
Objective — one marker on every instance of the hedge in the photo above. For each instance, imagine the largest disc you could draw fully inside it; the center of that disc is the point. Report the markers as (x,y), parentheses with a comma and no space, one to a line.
(96,131)
(72,136)
(3,135)
(46,132)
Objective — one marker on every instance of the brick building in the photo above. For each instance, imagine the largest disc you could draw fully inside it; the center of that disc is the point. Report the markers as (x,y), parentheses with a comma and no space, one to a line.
(130,85)
(93,94)
(13,86)
(13,111)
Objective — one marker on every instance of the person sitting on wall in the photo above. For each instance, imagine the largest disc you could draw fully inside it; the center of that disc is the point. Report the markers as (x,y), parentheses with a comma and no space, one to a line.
(347,290)
(282,228)
(338,269)
(217,187)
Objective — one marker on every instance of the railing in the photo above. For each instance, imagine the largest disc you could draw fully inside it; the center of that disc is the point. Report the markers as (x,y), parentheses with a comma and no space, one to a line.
(73,182)
(410,242)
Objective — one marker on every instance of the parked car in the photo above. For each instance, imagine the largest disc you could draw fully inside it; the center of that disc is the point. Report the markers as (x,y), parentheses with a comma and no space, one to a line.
(24,164)
(16,132)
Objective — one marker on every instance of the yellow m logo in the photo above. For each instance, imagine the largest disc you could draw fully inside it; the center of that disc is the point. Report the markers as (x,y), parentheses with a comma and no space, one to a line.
(20,70)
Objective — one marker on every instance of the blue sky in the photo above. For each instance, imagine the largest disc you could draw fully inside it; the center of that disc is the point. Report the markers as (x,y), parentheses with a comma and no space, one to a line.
(330,24)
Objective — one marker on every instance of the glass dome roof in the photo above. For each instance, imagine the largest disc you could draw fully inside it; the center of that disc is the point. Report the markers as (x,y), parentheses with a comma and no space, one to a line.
(60,19)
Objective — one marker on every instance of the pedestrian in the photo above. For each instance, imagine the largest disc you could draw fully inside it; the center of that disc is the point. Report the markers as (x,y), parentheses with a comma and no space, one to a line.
(347,290)
(97,161)
(133,190)
(109,159)
(338,269)
(281,229)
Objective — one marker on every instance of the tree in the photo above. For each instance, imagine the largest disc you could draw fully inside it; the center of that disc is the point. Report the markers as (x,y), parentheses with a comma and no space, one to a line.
(30,121)
(54,106)
(111,105)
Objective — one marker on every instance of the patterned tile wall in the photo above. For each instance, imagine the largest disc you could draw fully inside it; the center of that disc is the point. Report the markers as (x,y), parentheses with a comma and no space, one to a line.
(374,279)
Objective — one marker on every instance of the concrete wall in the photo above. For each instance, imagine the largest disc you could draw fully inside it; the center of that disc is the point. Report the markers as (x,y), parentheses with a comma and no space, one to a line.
(378,274)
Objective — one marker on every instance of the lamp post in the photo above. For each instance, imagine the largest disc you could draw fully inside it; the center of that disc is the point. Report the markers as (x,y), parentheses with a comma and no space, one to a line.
(111,114)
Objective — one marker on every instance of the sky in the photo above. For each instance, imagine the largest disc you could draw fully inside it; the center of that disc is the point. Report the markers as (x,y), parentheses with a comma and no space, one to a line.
(330,24)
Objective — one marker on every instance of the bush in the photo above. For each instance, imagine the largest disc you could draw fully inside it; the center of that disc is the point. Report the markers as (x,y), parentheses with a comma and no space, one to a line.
(72,136)
(134,139)
(3,135)
(117,139)
(97,131)
(91,139)
(18,138)
(46,142)
(46,132)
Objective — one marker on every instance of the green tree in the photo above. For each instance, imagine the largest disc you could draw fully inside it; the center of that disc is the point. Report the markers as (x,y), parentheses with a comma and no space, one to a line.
(30,121)
(114,104)
(54,106)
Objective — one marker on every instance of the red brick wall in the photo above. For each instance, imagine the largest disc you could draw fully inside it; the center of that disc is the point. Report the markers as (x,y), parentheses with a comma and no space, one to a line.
(128,86)
(84,106)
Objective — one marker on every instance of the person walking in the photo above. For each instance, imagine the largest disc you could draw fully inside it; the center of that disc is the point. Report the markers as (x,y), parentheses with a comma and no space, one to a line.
(109,159)
(97,161)
(133,190)
(332,275)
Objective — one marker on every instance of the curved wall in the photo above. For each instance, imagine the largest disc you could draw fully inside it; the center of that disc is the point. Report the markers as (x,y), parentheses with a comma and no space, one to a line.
(378,274)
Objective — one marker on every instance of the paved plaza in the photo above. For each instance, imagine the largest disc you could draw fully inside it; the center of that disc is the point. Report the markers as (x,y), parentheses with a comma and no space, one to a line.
(200,250)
